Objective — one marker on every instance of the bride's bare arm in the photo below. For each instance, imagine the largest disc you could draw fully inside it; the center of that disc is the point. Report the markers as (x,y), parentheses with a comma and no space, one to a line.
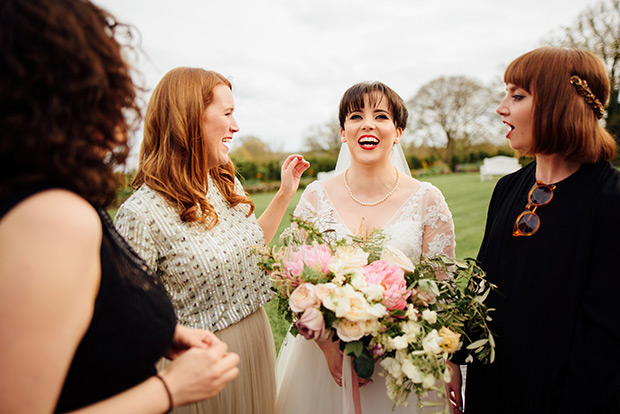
(292,169)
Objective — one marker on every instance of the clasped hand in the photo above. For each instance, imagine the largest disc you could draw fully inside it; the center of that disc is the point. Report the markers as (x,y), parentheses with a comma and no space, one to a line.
(201,365)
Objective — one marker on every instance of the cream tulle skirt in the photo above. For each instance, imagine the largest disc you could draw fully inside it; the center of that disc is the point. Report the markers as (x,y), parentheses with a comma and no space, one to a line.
(254,390)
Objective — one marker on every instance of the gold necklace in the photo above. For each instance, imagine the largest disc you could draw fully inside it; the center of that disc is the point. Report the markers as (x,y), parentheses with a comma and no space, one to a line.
(385,197)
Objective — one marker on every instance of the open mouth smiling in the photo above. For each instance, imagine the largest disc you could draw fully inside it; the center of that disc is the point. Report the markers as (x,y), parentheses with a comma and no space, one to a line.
(368,142)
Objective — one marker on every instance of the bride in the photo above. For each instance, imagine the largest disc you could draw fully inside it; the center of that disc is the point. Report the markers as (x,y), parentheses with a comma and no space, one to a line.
(373,188)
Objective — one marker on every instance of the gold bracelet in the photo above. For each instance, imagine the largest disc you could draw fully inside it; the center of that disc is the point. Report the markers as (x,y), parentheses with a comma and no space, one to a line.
(171,404)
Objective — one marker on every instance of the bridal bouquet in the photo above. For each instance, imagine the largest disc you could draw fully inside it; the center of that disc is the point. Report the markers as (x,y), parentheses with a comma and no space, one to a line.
(411,317)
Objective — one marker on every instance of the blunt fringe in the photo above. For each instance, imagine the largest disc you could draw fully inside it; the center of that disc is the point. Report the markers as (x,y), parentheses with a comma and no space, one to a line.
(353,100)
(563,123)
(173,155)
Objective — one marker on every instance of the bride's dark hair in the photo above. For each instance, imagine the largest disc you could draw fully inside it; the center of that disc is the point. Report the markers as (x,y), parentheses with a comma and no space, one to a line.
(353,100)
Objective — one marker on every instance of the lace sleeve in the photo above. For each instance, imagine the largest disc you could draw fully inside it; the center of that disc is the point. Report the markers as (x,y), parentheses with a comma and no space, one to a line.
(306,208)
(438,237)
(131,225)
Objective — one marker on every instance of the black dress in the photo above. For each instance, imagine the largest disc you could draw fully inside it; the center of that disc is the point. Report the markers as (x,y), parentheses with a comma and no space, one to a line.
(557,321)
(131,328)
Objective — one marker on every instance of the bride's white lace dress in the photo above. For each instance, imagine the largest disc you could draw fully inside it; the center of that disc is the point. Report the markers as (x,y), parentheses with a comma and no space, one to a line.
(422,225)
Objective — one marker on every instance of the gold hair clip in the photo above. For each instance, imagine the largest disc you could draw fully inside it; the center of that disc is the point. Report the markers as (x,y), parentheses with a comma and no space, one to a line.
(584,90)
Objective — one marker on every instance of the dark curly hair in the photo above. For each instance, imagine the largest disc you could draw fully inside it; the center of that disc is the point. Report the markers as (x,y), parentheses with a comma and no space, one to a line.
(68,102)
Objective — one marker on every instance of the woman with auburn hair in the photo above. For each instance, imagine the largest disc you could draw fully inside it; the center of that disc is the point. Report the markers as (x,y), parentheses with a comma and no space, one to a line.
(83,318)
(550,245)
(192,222)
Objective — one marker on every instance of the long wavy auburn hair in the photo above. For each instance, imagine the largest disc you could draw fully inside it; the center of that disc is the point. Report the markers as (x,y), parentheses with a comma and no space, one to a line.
(173,156)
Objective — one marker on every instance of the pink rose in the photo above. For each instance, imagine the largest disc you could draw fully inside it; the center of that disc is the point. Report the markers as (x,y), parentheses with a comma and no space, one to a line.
(392,278)
(316,257)
(311,324)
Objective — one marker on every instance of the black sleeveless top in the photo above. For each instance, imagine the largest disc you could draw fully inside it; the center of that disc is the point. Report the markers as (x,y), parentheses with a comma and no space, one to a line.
(132,325)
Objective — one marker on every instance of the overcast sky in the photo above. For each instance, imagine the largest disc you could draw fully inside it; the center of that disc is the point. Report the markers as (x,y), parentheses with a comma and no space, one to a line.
(291,60)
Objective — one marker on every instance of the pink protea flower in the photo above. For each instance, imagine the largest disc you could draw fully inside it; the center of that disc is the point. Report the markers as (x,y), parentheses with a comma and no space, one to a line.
(316,257)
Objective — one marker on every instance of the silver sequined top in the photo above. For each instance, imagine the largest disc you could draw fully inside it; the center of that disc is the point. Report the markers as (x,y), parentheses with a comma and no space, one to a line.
(211,276)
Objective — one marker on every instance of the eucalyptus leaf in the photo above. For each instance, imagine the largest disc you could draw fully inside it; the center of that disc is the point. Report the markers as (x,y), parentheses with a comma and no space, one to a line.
(364,365)
(478,343)
(354,348)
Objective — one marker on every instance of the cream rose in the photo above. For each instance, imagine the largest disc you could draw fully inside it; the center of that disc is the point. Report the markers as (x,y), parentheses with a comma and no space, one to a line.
(348,259)
(324,290)
(373,292)
(303,297)
(451,340)
(349,331)
(352,305)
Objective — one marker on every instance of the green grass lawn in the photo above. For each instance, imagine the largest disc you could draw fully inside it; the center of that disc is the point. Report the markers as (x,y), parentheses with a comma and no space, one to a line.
(467,197)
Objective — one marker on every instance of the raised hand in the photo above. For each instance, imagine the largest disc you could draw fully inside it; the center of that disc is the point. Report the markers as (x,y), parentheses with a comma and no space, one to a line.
(291,171)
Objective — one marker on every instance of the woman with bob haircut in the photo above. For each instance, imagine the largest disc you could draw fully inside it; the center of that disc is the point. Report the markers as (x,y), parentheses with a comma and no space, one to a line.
(550,245)
(194,225)
(372,188)
(83,318)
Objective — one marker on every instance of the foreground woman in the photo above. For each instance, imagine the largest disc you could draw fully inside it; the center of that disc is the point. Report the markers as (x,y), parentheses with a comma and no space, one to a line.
(83,318)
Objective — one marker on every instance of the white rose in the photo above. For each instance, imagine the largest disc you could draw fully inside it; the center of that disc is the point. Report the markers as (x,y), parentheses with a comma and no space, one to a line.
(348,259)
(358,281)
(429,316)
(349,331)
(303,297)
(432,342)
(392,255)
(351,304)
(337,294)
(411,371)
(377,310)
(372,327)
(374,293)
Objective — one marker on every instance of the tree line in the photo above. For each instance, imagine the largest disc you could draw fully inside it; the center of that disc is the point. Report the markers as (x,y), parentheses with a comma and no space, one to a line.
(452,118)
